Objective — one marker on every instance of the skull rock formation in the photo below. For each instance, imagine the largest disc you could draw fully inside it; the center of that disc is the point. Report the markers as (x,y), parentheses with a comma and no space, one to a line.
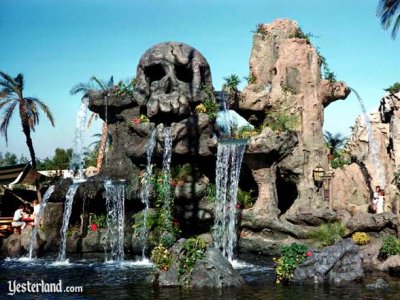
(169,84)
(169,79)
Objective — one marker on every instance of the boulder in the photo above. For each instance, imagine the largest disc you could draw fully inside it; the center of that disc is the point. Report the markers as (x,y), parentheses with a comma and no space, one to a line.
(373,222)
(379,284)
(12,245)
(339,263)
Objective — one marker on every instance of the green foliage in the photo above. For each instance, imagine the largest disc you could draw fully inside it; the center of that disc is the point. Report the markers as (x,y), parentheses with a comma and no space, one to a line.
(326,71)
(60,160)
(251,79)
(328,234)
(211,192)
(261,30)
(361,238)
(245,132)
(246,199)
(279,121)
(231,83)
(181,173)
(301,35)
(340,159)
(209,106)
(161,257)
(390,246)
(99,220)
(291,257)
(287,89)
(396,179)
(125,87)
(394,88)
(8,159)
(192,250)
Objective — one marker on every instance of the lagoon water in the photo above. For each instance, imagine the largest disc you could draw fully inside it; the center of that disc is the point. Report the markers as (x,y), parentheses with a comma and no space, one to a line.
(127,280)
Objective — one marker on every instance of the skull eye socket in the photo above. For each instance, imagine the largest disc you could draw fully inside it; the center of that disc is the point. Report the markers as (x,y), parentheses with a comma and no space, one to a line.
(184,73)
(154,72)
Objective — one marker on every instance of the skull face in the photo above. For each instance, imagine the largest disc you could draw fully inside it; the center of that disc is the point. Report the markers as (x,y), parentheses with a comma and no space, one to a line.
(169,78)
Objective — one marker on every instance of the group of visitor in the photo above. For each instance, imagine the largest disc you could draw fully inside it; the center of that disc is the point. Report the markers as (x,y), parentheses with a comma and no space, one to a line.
(25,215)
(378,200)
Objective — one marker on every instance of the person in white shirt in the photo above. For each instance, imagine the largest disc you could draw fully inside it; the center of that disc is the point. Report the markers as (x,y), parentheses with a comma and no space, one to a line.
(379,202)
(17,219)
(36,208)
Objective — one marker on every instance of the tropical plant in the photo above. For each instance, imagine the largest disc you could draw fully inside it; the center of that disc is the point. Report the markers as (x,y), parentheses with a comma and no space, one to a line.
(99,220)
(211,192)
(231,83)
(328,233)
(245,132)
(394,88)
(161,257)
(192,250)
(301,35)
(11,95)
(334,142)
(361,238)
(390,247)
(278,121)
(291,257)
(260,29)
(95,84)
(245,199)
(251,79)
(389,13)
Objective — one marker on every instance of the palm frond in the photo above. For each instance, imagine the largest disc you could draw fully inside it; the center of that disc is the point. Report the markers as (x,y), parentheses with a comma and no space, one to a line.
(386,11)
(4,102)
(6,119)
(8,78)
(82,88)
(20,81)
(31,113)
(46,110)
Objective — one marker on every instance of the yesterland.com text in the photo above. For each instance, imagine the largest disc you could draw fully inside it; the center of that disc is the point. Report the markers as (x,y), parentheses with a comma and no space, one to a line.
(15,287)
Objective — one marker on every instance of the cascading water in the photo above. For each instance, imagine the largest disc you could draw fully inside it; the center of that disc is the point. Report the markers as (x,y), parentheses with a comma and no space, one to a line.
(46,197)
(144,193)
(115,205)
(166,183)
(229,160)
(77,159)
(373,145)
(69,199)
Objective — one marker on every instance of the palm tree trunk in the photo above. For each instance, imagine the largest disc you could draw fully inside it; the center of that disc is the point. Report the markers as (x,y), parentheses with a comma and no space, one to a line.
(27,131)
(102,149)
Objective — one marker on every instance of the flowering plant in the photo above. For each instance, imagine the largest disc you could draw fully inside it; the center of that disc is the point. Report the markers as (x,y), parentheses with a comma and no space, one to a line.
(140,120)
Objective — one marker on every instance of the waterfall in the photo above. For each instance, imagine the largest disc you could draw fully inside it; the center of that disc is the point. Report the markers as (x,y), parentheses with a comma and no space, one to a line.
(115,205)
(373,145)
(229,160)
(144,193)
(69,199)
(46,197)
(166,171)
(77,159)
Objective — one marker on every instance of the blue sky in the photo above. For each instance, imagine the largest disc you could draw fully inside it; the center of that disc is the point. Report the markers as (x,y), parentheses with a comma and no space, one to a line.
(57,43)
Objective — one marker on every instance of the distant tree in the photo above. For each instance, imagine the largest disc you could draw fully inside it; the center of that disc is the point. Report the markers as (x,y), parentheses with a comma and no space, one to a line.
(11,95)
(59,161)
(231,83)
(95,84)
(8,159)
(389,13)
(394,88)
(334,142)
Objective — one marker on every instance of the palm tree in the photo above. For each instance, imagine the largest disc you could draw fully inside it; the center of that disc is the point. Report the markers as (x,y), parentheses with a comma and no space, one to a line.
(11,95)
(95,84)
(231,83)
(334,142)
(389,11)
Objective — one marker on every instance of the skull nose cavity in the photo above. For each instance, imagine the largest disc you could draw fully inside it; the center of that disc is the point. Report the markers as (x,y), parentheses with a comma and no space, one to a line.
(154,72)
(168,86)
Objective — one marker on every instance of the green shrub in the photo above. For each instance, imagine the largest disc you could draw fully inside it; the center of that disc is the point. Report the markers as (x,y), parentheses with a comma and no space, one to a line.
(192,250)
(328,234)
(99,220)
(161,257)
(181,173)
(245,199)
(301,35)
(245,132)
(251,79)
(211,192)
(278,121)
(390,246)
(261,30)
(394,88)
(291,257)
